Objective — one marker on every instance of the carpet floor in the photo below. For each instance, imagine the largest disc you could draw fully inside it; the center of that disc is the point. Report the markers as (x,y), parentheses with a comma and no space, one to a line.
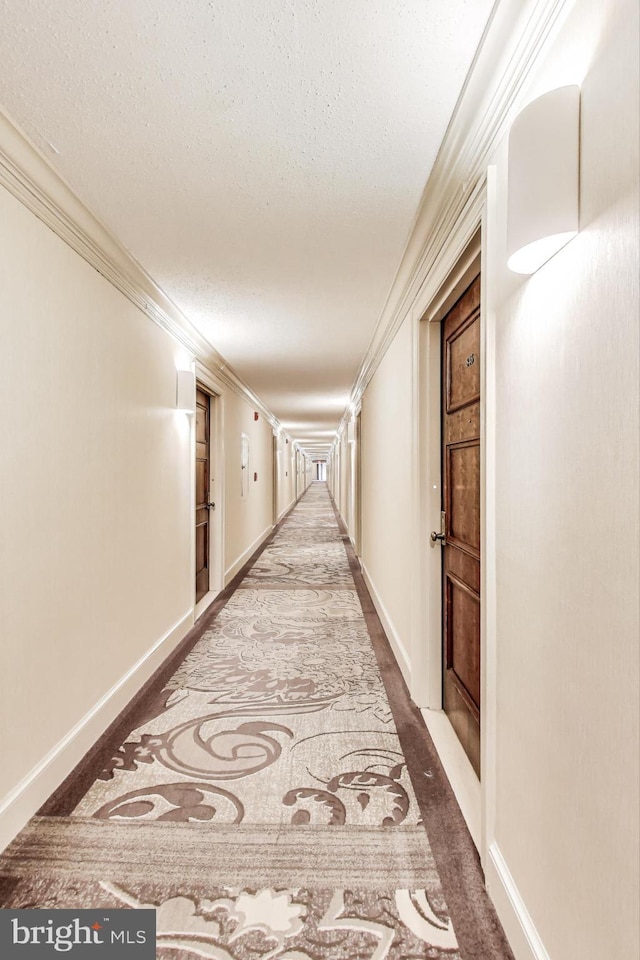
(266,792)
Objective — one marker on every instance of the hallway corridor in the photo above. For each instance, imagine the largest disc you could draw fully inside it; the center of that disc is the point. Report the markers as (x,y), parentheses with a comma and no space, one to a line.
(259,796)
(320,474)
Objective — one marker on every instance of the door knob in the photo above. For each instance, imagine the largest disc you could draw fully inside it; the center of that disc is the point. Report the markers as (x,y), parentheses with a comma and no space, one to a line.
(437,536)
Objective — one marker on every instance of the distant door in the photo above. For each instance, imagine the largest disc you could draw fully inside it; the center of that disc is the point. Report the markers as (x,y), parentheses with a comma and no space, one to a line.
(461,505)
(203,471)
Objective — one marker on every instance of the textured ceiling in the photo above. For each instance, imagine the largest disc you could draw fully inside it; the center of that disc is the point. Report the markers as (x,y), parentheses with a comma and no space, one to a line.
(263,161)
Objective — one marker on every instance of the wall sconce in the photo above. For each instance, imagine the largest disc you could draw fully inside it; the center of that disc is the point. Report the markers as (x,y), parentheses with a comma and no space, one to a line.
(543,189)
(185,391)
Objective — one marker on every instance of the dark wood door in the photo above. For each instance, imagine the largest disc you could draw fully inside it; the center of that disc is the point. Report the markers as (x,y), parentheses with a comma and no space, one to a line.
(203,416)
(461,504)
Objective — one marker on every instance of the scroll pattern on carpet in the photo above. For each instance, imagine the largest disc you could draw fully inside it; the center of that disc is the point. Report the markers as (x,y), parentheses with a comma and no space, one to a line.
(278,718)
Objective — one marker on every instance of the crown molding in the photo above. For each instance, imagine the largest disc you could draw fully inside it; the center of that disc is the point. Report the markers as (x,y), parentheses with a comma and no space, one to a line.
(27,174)
(448,215)
(451,206)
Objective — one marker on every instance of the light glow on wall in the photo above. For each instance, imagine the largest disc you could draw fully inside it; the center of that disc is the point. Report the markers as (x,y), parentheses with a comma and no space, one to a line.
(531,257)
(543,184)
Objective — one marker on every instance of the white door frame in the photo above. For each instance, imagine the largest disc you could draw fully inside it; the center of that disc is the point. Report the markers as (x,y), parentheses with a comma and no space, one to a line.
(427,675)
(357,483)
(476,800)
(275,475)
(216,487)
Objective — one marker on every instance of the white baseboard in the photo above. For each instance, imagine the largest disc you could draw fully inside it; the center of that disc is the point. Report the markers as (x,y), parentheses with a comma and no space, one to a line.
(286,510)
(28,796)
(240,562)
(518,926)
(397,645)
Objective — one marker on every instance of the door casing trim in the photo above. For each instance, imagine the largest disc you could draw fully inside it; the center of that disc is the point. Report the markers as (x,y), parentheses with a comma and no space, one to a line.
(216,391)
(426,679)
(426,686)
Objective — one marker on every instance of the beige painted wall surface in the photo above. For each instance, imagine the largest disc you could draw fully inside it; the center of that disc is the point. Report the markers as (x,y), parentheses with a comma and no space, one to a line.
(387,537)
(345,478)
(333,474)
(95,489)
(567,525)
(247,519)
(286,475)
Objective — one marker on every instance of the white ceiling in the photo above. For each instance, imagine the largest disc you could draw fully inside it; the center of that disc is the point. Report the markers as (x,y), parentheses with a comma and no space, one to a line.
(262,159)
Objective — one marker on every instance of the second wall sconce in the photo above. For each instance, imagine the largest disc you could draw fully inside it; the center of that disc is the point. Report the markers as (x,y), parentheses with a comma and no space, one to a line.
(543,188)
(185,391)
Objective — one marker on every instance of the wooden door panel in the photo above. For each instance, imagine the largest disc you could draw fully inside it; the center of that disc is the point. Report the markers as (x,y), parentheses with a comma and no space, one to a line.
(461,502)
(201,421)
(463,506)
(463,641)
(464,567)
(463,365)
(201,547)
(202,478)
(463,423)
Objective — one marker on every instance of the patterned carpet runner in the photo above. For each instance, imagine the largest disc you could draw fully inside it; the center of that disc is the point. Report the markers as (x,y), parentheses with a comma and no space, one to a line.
(261,803)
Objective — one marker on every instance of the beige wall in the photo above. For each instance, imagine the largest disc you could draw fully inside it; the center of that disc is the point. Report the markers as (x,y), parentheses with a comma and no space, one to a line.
(342,479)
(303,473)
(96,505)
(95,491)
(567,535)
(286,475)
(345,478)
(387,524)
(338,474)
(333,472)
(247,519)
